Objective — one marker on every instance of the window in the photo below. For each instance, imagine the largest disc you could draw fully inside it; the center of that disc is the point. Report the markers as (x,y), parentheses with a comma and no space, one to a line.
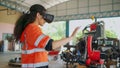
(56,30)
(111,27)
(74,23)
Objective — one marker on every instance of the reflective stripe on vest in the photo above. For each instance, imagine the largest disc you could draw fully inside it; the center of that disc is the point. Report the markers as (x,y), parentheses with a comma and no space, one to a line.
(32,50)
(35,65)
(39,39)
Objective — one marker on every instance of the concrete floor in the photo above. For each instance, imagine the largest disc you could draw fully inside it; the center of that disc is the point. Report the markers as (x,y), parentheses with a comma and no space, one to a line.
(5,57)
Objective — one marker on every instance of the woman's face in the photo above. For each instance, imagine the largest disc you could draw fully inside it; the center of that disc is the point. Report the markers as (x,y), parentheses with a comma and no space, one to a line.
(41,20)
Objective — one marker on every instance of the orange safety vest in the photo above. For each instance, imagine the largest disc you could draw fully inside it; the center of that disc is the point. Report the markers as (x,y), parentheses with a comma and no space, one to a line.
(33,50)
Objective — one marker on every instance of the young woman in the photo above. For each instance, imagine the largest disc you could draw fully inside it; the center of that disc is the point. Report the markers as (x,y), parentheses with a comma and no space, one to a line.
(35,42)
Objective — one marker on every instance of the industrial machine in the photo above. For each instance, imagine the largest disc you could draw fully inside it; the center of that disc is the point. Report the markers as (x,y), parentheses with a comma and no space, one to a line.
(96,50)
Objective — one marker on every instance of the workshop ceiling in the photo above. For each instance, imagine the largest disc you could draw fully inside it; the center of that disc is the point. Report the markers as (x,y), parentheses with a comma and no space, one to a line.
(46,3)
(23,5)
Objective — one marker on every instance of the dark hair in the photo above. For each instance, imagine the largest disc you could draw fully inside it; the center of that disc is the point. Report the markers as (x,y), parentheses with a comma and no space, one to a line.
(26,19)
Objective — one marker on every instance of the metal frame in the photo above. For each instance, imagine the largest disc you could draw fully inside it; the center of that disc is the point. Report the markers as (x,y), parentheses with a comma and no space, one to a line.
(13,5)
(88,15)
(113,13)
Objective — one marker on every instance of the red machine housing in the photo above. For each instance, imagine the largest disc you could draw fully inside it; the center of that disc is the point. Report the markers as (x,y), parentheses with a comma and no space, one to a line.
(93,56)
(53,52)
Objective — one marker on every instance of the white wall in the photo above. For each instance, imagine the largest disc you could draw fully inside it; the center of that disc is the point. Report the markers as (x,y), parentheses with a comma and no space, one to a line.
(7,20)
(6,28)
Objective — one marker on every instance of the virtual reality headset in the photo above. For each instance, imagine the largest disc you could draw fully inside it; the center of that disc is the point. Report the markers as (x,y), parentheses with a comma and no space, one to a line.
(48,17)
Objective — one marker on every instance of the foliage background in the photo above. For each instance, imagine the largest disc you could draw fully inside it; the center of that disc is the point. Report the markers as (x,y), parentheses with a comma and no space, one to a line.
(56,30)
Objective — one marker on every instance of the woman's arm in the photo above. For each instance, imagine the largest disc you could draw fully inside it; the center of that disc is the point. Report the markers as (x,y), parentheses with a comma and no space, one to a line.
(59,43)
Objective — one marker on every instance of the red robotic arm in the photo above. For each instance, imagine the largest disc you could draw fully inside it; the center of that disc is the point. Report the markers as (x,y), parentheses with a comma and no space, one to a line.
(93,56)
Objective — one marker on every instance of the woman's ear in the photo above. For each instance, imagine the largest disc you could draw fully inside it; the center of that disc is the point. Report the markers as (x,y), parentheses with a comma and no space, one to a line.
(38,15)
